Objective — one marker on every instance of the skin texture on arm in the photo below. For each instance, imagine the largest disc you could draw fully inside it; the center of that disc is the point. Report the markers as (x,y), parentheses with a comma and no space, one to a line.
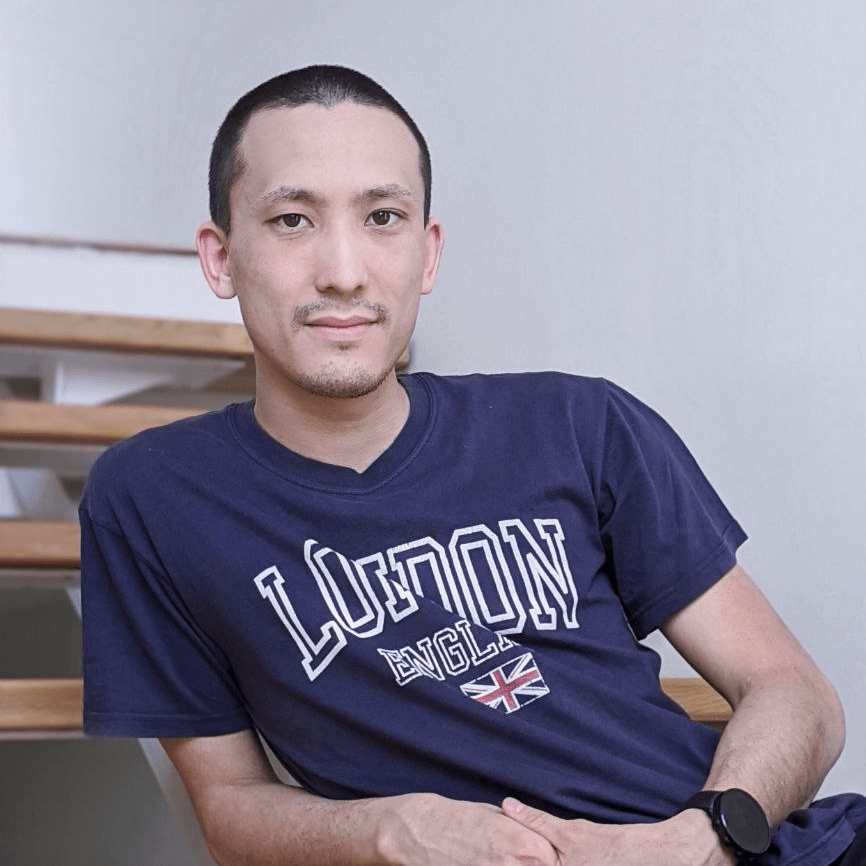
(788,728)
(786,732)
(249,817)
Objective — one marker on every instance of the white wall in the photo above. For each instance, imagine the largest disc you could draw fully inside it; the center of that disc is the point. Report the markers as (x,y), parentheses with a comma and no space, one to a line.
(669,194)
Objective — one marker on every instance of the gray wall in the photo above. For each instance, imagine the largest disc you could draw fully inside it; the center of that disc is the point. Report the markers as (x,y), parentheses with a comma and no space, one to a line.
(668,194)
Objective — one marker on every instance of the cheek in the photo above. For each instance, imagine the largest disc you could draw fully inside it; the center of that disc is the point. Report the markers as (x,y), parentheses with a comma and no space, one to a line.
(264,284)
(404,314)
(403,272)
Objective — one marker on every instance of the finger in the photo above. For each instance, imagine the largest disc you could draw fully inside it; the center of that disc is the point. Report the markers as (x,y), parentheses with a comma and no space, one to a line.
(546,825)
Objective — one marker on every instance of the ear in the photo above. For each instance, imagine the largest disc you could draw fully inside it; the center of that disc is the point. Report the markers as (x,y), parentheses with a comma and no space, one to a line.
(435,241)
(213,253)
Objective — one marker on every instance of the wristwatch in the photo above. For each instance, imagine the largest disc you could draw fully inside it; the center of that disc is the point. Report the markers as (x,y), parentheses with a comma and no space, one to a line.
(738,819)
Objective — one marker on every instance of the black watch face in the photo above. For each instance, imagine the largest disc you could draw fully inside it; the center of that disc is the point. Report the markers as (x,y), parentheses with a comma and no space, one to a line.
(744,821)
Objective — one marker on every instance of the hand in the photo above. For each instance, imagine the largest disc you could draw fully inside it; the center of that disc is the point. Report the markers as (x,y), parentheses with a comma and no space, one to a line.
(429,830)
(687,839)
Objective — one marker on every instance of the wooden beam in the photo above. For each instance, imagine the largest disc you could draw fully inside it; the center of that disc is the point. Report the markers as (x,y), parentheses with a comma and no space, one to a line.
(103,332)
(698,698)
(40,705)
(39,544)
(37,421)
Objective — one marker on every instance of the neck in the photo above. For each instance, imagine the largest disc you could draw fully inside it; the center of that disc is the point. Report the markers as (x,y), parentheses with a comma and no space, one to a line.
(349,432)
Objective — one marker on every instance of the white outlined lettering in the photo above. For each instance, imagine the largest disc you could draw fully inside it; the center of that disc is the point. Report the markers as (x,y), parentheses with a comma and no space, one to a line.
(473,579)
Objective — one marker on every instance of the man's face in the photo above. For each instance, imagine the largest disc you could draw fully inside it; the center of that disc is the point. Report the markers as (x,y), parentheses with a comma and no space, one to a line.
(328,252)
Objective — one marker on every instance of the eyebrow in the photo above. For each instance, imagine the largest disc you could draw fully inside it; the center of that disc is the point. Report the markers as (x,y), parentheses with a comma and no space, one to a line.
(285,194)
(388,190)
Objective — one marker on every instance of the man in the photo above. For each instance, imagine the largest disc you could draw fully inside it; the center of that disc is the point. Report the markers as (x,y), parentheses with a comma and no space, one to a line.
(424,592)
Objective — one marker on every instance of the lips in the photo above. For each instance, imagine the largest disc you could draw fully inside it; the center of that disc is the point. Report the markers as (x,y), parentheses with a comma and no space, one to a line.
(337,322)
(341,330)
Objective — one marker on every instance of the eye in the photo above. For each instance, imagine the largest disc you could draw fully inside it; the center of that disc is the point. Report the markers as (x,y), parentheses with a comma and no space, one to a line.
(382,218)
(292,220)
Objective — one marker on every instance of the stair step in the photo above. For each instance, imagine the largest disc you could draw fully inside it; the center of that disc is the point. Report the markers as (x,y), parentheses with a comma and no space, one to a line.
(37,706)
(39,544)
(698,698)
(112,333)
(37,421)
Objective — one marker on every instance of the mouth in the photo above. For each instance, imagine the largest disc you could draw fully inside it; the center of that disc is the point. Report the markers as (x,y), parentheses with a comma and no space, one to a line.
(341,330)
(334,323)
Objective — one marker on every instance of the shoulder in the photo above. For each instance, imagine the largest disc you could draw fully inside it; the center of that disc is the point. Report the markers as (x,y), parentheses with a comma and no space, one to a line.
(546,399)
(528,388)
(178,439)
(148,459)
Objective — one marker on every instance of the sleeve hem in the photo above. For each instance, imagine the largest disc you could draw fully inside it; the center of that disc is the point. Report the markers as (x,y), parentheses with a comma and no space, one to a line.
(132,725)
(715,566)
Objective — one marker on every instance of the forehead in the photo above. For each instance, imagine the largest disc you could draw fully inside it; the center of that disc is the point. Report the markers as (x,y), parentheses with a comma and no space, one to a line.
(310,146)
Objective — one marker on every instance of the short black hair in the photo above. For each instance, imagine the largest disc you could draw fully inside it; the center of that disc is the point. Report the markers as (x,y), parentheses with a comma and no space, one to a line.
(319,85)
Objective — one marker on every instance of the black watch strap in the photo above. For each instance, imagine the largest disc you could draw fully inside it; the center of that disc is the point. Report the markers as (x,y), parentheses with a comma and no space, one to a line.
(737,818)
(701,800)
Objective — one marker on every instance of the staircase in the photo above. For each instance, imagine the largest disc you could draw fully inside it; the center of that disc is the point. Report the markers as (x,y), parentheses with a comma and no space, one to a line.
(70,385)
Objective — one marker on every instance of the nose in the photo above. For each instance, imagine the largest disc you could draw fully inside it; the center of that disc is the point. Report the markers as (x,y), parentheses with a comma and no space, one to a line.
(341,263)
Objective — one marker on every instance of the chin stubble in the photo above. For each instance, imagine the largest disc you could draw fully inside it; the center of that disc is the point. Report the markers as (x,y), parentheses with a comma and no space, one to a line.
(334,381)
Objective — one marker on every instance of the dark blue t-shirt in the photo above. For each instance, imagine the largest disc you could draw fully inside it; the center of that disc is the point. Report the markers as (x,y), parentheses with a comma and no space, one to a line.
(462,617)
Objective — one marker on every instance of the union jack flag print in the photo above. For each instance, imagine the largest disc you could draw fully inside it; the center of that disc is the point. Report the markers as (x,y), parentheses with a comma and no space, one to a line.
(509,687)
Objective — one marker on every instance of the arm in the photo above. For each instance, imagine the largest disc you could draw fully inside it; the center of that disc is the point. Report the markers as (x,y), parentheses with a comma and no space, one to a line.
(787,730)
(249,817)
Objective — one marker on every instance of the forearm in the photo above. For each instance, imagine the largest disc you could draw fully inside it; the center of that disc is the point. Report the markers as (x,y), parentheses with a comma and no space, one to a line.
(786,732)
(271,824)
(787,728)
(267,824)
(249,818)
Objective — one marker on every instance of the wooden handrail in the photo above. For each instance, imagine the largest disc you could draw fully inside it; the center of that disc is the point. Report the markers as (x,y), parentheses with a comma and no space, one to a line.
(39,544)
(36,421)
(104,332)
(55,704)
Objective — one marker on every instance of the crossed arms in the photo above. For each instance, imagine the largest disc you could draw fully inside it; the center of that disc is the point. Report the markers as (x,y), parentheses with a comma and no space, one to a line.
(785,734)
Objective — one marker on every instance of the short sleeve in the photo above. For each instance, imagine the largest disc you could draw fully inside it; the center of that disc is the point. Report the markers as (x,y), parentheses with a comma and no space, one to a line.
(666,531)
(149,671)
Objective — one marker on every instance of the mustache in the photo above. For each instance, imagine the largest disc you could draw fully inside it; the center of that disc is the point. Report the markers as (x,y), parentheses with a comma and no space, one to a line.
(303,312)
